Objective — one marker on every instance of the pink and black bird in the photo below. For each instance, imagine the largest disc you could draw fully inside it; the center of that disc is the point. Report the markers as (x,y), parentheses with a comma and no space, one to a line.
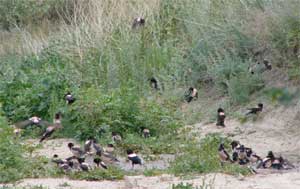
(99,163)
(53,127)
(135,160)
(221,117)
(255,110)
(138,22)
(69,98)
(224,156)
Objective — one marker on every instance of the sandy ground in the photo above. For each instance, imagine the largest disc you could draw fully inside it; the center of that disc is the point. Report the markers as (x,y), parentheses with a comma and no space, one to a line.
(289,180)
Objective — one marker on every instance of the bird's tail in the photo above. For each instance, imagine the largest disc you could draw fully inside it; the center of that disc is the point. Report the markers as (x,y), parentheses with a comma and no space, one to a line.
(248,113)
(42,139)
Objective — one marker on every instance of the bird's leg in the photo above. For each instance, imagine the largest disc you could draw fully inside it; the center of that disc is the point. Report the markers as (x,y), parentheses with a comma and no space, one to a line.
(222,164)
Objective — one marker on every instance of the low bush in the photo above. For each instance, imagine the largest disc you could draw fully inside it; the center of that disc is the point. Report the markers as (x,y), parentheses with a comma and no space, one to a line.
(97,113)
(12,163)
(232,75)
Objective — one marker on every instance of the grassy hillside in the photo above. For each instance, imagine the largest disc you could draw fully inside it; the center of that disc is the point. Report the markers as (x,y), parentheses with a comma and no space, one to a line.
(88,47)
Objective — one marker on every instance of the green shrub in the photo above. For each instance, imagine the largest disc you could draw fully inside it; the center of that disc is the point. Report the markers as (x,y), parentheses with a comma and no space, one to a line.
(120,110)
(240,88)
(12,162)
(232,75)
(281,95)
(32,91)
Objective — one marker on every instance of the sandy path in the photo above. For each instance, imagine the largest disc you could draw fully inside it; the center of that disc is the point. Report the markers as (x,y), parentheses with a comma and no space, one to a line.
(289,180)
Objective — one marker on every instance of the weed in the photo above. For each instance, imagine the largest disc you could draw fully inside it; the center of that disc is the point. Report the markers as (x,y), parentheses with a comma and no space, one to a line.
(153,172)
(183,186)
(112,173)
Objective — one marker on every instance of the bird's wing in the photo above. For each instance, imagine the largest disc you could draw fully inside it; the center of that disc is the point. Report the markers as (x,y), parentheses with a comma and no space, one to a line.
(110,156)
(103,165)
(50,129)
(225,152)
(58,161)
(97,147)
(78,149)
(23,124)
(256,156)
(87,146)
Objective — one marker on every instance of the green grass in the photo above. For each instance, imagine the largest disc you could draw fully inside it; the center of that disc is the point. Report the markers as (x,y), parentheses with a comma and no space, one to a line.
(112,173)
(183,186)
(153,172)
(191,186)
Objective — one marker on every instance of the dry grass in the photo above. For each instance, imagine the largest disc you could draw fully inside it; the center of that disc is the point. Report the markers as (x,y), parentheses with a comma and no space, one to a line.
(91,23)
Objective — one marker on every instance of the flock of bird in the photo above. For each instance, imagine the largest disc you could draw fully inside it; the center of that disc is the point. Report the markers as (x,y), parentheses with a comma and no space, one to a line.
(92,156)
(243,156)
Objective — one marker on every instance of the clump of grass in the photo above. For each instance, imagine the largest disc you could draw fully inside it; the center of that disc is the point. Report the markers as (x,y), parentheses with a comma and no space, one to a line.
(191,186)
(65,184)
(183,186)
(153,172)
(112,173)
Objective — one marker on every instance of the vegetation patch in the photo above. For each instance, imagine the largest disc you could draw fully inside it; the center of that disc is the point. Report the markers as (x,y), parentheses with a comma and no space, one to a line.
(112,173)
